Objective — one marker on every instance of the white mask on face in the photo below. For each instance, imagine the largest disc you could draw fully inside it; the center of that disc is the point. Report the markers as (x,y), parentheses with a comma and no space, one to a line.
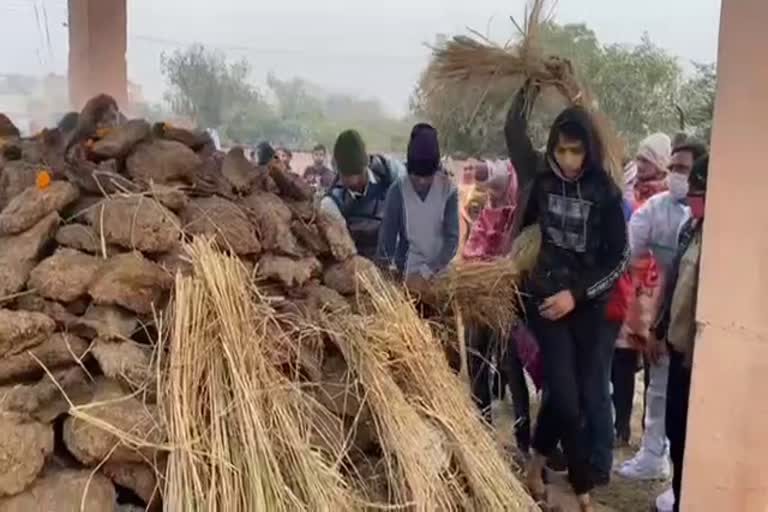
(678,185)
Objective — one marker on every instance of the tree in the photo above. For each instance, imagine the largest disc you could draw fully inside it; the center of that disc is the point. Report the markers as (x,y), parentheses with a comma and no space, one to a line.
(697,100)
(217,94)
(205,87)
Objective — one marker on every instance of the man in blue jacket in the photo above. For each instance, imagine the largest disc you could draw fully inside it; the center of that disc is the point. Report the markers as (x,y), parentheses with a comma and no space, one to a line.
(358,194)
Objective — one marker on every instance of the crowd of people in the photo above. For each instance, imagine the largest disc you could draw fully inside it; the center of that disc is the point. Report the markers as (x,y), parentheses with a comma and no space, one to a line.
(613,290)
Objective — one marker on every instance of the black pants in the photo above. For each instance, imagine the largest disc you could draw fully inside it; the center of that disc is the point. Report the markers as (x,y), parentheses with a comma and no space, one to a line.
(678,393)
(483,348)
(623,379)
(568,349)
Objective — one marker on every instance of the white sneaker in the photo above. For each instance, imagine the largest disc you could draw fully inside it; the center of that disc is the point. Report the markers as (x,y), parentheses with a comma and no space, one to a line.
(646,466)
(665,501)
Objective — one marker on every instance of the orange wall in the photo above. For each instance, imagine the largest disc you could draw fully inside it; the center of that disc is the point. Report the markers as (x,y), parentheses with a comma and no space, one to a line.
(726,466)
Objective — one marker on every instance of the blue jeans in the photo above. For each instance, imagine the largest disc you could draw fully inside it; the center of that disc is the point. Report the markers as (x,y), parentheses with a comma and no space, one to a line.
(598,406)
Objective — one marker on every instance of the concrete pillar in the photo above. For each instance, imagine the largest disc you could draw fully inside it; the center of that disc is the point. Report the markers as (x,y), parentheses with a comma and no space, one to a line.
(726,465)
(97,47)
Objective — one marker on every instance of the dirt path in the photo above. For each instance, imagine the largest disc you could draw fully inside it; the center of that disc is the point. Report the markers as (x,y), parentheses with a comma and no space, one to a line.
(620,495)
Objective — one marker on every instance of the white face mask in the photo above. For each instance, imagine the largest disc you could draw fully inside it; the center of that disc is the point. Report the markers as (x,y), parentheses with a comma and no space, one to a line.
(678,185)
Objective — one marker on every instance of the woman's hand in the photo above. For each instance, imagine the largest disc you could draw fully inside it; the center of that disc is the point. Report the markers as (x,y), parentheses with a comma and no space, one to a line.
(557,306)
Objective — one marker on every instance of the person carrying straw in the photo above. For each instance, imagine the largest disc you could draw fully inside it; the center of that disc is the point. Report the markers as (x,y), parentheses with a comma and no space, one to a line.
(583,253)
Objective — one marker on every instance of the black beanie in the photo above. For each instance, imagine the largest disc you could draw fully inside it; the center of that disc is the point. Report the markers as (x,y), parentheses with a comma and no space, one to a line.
(265,153)
(423,151)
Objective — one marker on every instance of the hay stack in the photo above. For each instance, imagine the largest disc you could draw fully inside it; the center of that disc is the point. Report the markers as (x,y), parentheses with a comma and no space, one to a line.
(169,322)
(465,62)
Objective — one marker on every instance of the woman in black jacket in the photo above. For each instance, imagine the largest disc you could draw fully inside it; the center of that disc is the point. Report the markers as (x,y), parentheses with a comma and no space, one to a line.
(583,253)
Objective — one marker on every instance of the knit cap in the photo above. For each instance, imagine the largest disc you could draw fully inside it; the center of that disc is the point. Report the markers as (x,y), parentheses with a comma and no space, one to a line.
(423,151)
(350,154)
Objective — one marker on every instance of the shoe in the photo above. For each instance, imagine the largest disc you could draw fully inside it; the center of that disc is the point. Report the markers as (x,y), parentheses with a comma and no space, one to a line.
(665,502)
(645,466)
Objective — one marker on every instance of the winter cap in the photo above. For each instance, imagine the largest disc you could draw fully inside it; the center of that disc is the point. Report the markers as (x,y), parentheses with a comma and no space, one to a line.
(697,181)
(350,154)
(264,152)
(423,151)
(657,149)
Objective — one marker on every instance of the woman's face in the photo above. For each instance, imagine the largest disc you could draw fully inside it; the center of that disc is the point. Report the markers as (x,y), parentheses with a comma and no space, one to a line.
(645,169)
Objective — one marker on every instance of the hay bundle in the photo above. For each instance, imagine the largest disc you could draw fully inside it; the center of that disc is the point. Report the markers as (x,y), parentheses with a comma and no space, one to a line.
(483,292)
(396,338)
(486,292)
(474,61)
(238,426)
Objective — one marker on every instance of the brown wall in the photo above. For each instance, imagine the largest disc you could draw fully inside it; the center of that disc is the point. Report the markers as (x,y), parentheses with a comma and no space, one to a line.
(726,466)
(97,47)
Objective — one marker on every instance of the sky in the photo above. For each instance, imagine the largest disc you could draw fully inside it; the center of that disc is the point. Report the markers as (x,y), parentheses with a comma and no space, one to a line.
(374,49)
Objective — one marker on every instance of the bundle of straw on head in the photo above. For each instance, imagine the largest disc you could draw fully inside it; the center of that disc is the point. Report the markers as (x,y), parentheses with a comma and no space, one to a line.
(476,62)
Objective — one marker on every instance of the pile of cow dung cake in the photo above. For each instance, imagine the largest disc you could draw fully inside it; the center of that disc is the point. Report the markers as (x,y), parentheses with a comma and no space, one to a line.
(183,330)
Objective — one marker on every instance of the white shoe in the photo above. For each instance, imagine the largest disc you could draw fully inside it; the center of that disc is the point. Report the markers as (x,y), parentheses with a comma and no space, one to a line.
(666,501)
(645,466)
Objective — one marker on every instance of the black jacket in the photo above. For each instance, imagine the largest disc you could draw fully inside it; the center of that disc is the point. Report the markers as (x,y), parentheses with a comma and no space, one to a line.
(584,235)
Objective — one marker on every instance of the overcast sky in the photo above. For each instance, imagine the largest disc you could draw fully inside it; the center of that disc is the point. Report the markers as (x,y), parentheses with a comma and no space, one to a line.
(372,48)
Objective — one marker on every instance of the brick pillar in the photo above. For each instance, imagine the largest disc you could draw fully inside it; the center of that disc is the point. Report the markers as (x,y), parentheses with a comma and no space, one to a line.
(97,48)
(726,460)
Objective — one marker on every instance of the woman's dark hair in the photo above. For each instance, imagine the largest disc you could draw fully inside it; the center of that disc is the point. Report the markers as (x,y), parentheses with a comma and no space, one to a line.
(697,149)
(576,123)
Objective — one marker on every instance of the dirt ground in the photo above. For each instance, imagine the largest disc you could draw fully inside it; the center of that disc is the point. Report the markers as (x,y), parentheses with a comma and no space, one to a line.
(620,495)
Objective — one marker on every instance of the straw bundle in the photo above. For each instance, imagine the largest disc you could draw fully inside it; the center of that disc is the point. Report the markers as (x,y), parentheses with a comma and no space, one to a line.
(394,336)
(239,426)
(476,62)
(483,292)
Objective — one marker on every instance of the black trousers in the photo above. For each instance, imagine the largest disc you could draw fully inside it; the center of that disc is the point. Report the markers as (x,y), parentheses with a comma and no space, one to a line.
(569,348)
(623,379)
(678,394)
(484,349)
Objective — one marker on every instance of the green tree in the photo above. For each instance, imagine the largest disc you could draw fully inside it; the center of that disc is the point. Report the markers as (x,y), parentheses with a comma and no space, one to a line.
(697,100)
(206,88)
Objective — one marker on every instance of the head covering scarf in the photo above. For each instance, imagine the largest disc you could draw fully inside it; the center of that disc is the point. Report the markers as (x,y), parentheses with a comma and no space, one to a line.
(491,235)
(657,149)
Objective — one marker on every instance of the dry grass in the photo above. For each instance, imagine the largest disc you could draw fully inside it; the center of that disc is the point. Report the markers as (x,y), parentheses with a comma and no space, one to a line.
(407,377)
(465,62)
(238,426)
(486,292)
(483,292)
